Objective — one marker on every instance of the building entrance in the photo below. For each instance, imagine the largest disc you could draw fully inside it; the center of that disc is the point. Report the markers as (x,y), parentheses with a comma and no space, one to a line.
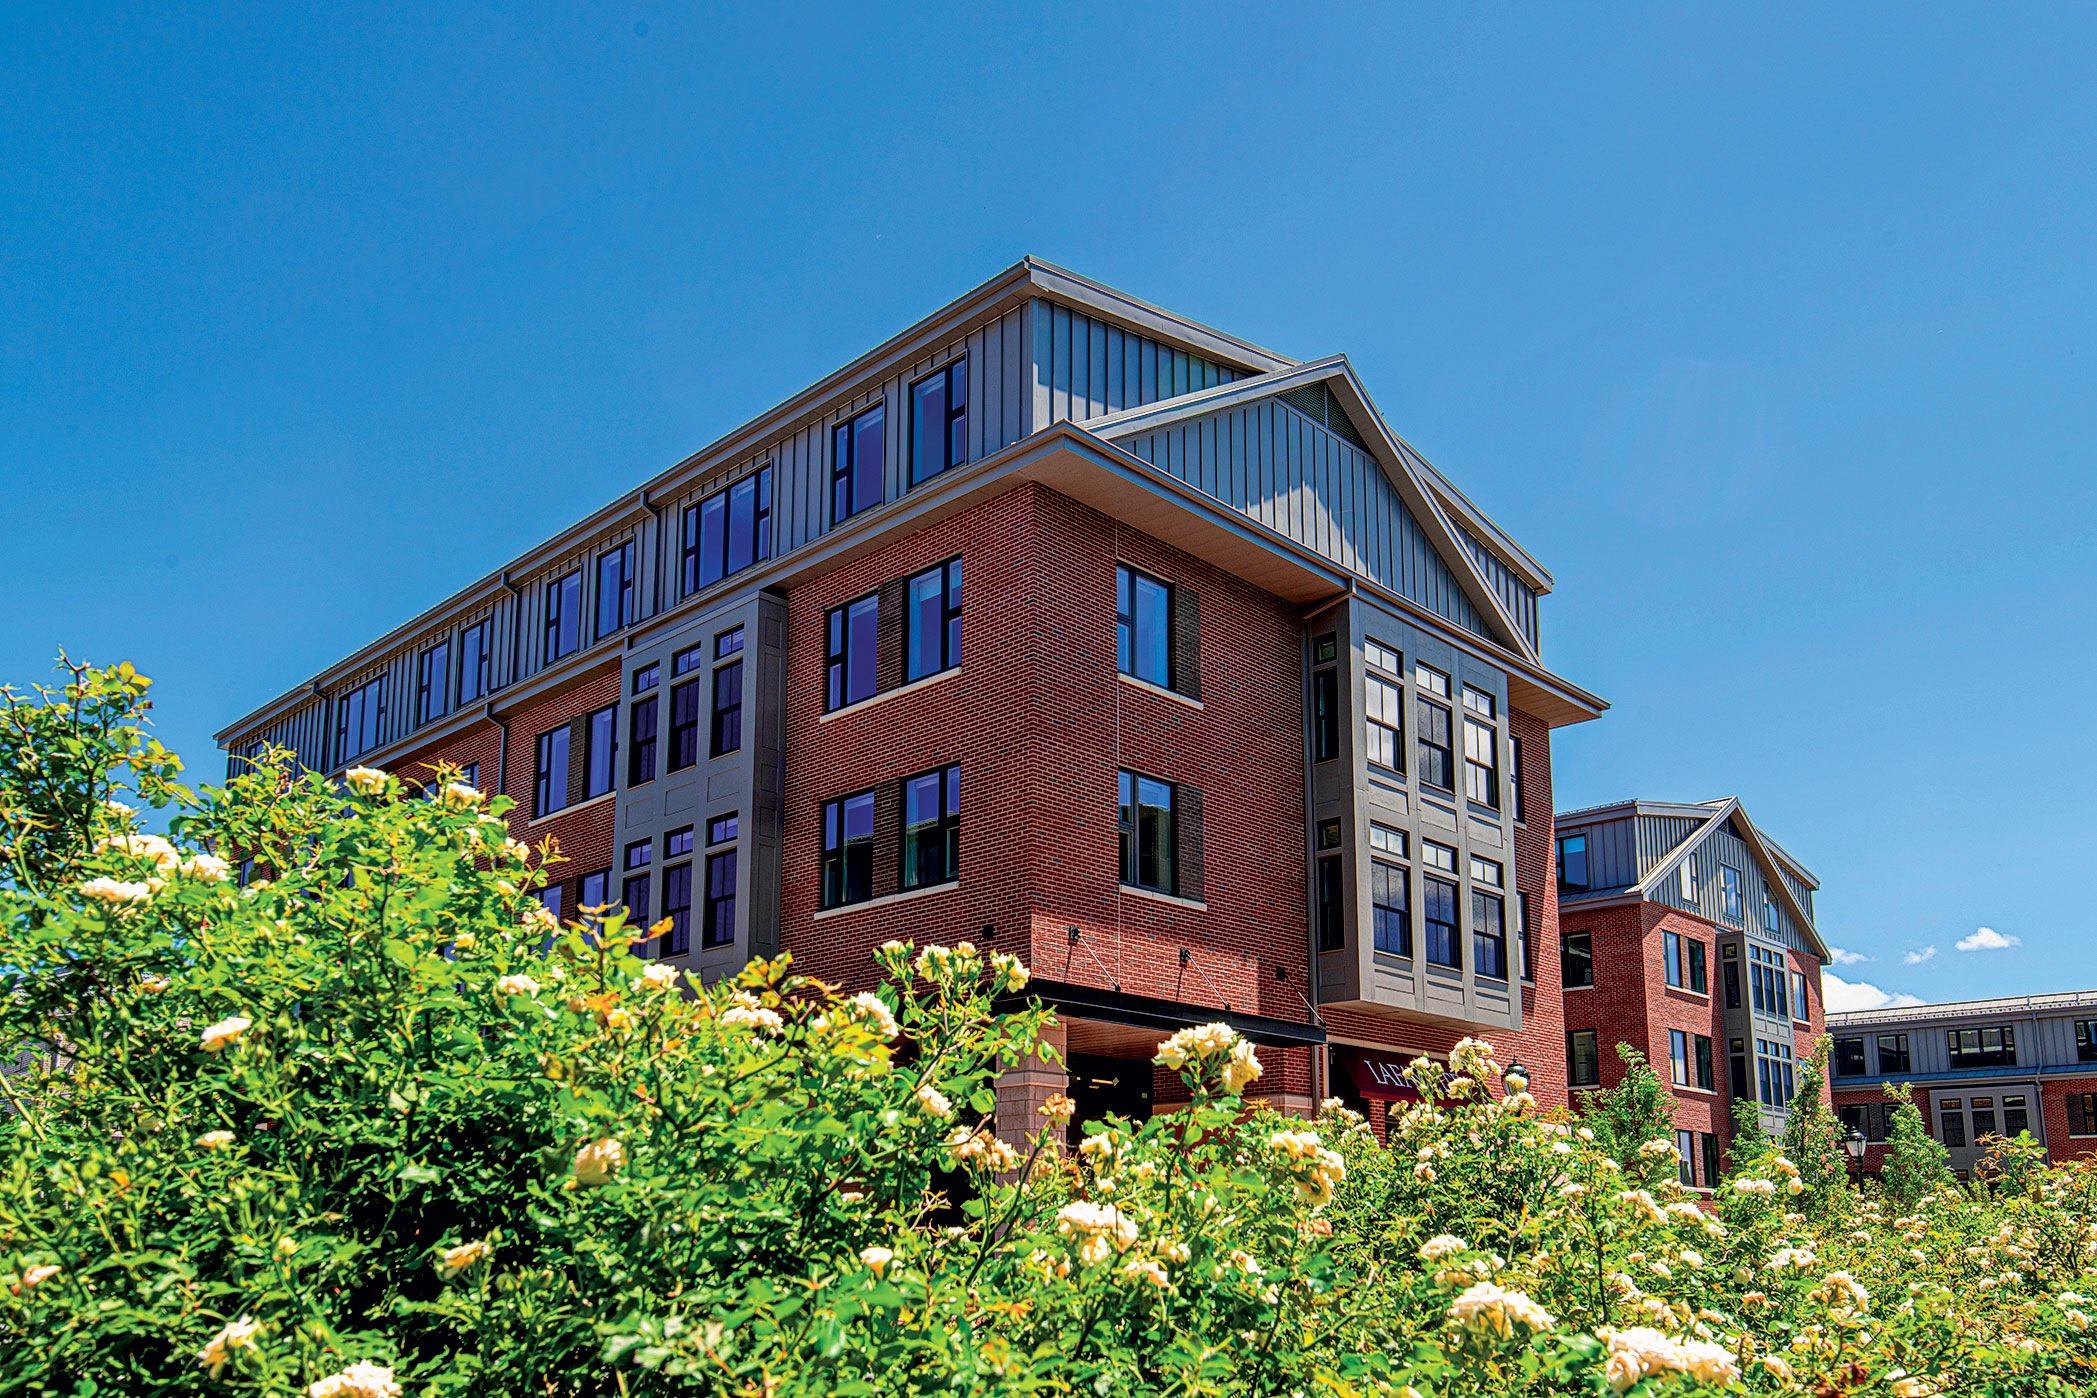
(1108,1087)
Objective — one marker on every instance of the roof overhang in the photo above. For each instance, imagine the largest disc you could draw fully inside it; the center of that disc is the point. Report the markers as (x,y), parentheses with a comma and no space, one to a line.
(1167,1016)
(1718,815)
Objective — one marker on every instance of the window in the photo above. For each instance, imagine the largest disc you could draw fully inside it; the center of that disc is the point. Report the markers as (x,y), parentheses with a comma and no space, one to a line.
(473,662)
(2082,1113)
(615,589)
(1686,881)
(729,642)
(1332,914)
(717,927)
(1671,956)
(1893,1053)
(1481,703)
(1740,1071)
(1489,934)
(1572,861)
(564,609)
(858,464)
(640,854)
(934,621)
(1710,1146)
(1773,1065)
(1699,977)
(550,899)
(1993,1047)
(1386,840)
(2086,1041)
(1729,892)
(1849,1058)
(1768,985)
(1951,1122)
(550,772)
(633,895)
(728,531)
(686,661)
(433,682)
(1772,920)
(728,709)
(1872,1120)
(677,907)
(1328,834)
(1983,1118)
(1707,1077)
(1148,848)
(677,842)
(1384,706)
(645,678)
(1514,780)
(939,421)
(1437,759)
(600,747)
(1686,1157)
(1732,982)
(1439,897)
(1801,1006)
(853,629)
(1583,1061)
(1576,956)
(1678,1057)
(1325,700)
(1431,680)
(640,741)
(596,893)
(685,700)
(1481,752)
(1143,627)
(2016,1120)
(932,828)
(848,850)
(1528,942)
(1387,896)
(360,719)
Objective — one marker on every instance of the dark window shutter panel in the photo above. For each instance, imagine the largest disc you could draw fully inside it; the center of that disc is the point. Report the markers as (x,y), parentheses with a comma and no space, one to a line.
(578,758)
(1186,641)
(1187,816)
(888,836)
(888,637)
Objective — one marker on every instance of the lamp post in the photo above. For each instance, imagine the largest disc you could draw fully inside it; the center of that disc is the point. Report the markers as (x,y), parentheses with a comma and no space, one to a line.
(1854,1144)
(1516,1077)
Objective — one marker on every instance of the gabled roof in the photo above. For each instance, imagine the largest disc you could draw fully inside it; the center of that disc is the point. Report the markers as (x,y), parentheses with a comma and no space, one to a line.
(1398,463)
(1714,815)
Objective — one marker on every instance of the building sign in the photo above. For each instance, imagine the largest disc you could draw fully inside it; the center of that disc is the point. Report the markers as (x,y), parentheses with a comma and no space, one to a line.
(1378,1076)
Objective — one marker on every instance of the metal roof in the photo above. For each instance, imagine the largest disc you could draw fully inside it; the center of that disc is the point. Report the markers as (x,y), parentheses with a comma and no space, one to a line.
(1962,1009)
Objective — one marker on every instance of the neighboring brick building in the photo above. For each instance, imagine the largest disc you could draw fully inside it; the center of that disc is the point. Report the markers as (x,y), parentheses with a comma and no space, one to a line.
(1687,933)
(1058,623)
(1977,1068)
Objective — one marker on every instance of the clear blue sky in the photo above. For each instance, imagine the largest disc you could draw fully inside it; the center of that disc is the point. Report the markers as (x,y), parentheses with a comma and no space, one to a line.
(1768,329)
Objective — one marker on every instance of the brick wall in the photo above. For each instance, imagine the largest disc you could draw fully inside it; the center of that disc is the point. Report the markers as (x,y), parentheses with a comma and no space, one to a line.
(2053,1106)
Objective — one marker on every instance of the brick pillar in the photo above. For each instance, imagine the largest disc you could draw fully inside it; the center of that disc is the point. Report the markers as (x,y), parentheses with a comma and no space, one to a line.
(1024,1087)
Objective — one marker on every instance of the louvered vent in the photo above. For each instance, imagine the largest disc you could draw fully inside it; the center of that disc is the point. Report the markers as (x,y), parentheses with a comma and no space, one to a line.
(1315,401)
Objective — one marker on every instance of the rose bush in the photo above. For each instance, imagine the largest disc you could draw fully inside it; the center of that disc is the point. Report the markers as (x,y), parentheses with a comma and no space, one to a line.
(370,1125)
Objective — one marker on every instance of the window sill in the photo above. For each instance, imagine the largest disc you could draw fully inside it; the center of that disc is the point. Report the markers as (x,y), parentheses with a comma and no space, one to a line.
(887,899)
(898,692)
(1703,995)
(1567,988)
(1693,1091)
(1156,897)
(571,810)
(1158,689)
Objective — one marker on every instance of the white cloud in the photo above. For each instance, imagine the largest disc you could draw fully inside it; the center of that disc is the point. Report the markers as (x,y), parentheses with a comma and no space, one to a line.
(1916,958)
(1842,995)
(1986,939)
(1846,958)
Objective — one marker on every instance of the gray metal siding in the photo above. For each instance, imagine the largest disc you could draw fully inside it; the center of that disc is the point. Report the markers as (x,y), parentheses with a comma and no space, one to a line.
(1270,462)
(1659,835)
(1610,859)
(305,731)
(1089,368)
(1515,595)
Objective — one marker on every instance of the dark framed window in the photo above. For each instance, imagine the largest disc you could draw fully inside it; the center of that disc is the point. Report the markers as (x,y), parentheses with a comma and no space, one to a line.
(1678,1057)
(1741,1087)
(854,629)
(1514,780)
(1332,913)
(2082,1114)
(640,854)
(1893,1053)
(1992,1047)
(727,531)
(1772,920)
(594,892)
(1525,937)
(1489,934)
(1438,907)
(939,421)
(600,751)
(848,849)
(1849,1058)
(677,907)
(721,829)
(729,642)
(1699,974)
(1325,710)
(1572,861)
(2016,1119)
(551,900)
(1769,989)
(1328,834)
(1732,982)
(1143,627)
(1671,957)
(1383,705)
(1707,1078)
(932,828)
(2086,1041)
(360,719)
(1774,1066)
(858,464)
(1481,751)
(564,616)
(677,842)
(473,662)
(686,661)
(1583,1061)
(1801,1004)
(1710,1151)
(1729,895)
(633,894)
(550,772)
(615,604)
(433,682)
(1686,1158)
(933,621)
(717,926)
(1951,1122)
(1576,956)
(1983,1118)
(640,741)
(685,702)
(1388,889)
(647,677)
(1437,760)
(728,709)
(1149,843)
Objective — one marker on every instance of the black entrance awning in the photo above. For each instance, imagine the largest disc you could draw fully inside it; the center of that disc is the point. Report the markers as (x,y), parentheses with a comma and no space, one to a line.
(1171,1016)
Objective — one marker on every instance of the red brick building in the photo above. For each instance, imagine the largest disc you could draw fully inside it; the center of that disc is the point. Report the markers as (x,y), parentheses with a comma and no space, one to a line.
(1062,624)
(1687,934)
(1978,1070)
